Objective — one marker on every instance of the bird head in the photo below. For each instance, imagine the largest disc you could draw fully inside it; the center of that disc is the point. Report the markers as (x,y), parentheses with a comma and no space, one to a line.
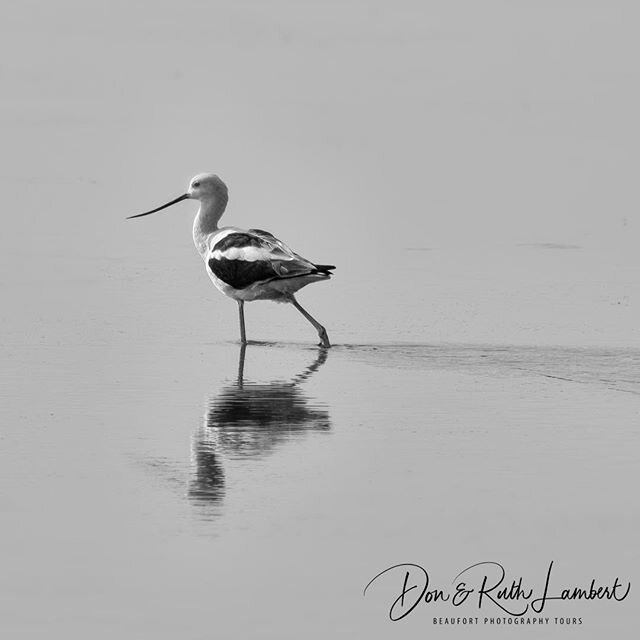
(205,186)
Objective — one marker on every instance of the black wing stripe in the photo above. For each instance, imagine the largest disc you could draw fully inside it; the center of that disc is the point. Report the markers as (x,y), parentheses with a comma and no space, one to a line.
(262,232)
(237,241)
(241,273)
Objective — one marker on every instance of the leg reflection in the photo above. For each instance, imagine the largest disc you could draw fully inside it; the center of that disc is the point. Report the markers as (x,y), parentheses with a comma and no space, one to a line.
(249,420)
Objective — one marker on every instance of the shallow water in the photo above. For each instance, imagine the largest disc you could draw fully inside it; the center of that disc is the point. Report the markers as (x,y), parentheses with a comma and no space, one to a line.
(160,481)
(188,489)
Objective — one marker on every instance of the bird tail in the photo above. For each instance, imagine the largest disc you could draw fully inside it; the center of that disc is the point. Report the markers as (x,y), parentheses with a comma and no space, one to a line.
(324,268)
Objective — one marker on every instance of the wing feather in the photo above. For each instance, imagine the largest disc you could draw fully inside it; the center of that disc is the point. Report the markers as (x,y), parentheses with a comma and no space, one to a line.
(244,258)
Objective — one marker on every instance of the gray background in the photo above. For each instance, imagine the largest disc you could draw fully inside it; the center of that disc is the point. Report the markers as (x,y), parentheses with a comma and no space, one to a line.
(471,167)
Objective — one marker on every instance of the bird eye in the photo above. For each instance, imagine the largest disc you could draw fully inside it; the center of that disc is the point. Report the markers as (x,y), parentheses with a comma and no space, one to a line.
(196,184)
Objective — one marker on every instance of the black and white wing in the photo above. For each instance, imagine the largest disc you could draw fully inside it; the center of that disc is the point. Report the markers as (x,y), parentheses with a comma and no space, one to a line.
(245,258)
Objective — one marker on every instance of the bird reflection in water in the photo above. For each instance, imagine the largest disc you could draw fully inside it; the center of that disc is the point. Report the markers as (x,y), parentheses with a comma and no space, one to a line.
(249,420)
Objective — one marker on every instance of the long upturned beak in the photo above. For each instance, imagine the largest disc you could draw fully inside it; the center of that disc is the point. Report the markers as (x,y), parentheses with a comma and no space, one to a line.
(184,196)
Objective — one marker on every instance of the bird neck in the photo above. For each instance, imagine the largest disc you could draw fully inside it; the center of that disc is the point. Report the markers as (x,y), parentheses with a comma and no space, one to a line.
(206,222)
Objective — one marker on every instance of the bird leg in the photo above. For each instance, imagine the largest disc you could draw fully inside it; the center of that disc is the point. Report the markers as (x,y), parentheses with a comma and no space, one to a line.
(322,332)
(243,335)
(243,350)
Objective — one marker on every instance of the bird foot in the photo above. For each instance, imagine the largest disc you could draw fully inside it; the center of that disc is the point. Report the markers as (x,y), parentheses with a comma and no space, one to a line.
(324,340)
